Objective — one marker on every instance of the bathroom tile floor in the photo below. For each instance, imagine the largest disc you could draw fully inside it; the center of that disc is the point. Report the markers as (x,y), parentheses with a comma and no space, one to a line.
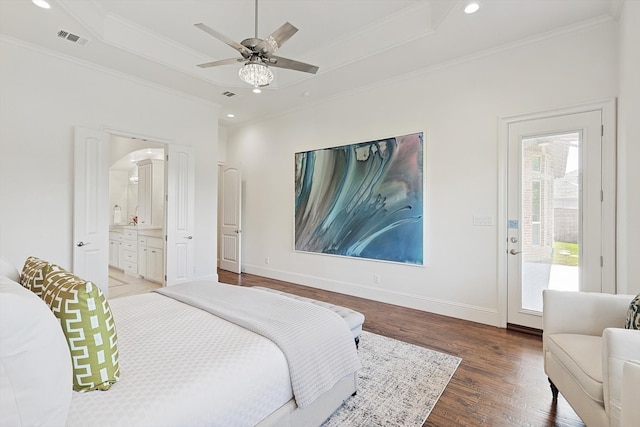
(121,285)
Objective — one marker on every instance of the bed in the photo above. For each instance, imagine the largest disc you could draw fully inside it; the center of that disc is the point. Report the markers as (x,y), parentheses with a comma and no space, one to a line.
(179,364)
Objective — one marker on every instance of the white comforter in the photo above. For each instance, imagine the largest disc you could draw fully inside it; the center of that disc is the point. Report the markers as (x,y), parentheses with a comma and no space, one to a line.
(185,367)
(316,341)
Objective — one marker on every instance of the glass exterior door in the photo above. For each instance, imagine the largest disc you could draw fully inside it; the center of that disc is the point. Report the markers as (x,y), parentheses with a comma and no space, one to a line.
(550,216)
(554,211)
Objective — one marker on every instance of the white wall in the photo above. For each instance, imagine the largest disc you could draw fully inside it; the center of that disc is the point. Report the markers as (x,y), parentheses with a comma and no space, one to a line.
(119,194)
(458,107)
(629,151)
(43,97)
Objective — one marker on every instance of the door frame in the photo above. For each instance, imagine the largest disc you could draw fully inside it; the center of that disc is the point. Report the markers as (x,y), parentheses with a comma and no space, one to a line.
(125,134)
(608,109)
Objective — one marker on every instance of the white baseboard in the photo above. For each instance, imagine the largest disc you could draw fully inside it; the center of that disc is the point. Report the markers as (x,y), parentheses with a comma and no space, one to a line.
(446,308)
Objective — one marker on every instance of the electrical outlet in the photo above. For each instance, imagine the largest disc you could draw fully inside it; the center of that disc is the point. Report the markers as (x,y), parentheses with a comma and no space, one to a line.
(376,279)
(482,220)
(266,260)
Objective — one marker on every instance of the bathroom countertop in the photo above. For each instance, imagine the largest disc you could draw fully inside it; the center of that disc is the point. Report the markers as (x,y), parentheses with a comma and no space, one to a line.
(142,230)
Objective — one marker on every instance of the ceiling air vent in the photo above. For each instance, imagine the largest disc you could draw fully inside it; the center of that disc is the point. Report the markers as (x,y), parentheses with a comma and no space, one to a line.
(228,94)
(72,37)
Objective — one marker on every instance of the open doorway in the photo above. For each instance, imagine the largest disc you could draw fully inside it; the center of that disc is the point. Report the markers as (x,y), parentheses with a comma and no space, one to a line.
(91,210)
(136,215)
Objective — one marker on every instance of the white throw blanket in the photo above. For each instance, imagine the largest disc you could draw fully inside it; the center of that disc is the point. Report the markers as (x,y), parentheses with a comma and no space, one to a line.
(316,341)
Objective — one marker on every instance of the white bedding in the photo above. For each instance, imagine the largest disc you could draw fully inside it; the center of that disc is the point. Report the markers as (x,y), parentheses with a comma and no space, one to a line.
(226,388)
(316,342)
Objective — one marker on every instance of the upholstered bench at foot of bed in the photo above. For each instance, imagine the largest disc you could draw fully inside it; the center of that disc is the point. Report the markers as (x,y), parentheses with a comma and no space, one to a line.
(353,318)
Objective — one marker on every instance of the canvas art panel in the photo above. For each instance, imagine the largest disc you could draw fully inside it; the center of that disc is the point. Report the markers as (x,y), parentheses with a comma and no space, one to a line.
(362,200)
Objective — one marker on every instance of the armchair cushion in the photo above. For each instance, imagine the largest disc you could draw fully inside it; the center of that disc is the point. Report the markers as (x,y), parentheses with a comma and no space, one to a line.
(580,354)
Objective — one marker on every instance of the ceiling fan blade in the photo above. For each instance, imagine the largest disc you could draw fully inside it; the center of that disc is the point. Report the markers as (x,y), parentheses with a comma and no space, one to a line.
(280,62)
(276,39)
(237,46)
(221,62)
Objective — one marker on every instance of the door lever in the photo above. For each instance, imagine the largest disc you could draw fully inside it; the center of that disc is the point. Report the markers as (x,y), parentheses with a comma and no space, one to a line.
(81,244)
(514,252)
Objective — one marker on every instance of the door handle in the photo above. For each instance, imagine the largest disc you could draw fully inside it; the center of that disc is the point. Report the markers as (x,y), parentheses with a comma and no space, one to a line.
(189,237)
(238,231)
(514,252)
(81,244)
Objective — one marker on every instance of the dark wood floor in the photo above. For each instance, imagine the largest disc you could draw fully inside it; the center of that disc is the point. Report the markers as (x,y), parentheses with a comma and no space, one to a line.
(500,381)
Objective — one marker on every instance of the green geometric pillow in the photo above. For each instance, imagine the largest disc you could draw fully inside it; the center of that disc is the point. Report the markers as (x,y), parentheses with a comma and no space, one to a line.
(87,323)
(633,314)
(32,275)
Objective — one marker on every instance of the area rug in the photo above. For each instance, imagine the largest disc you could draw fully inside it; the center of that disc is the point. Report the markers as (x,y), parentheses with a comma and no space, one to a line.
(398,385)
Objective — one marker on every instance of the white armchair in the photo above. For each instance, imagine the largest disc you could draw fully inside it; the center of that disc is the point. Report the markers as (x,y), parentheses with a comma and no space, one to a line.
(585,348)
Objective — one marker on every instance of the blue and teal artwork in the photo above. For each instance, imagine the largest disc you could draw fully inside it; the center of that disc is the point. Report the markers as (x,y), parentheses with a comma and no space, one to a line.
(362,200)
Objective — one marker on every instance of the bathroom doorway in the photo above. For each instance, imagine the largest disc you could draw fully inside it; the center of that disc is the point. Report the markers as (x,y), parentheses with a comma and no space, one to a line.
(136,239)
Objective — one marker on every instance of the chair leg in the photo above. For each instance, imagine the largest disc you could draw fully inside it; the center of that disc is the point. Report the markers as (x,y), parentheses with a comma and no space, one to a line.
(554,389)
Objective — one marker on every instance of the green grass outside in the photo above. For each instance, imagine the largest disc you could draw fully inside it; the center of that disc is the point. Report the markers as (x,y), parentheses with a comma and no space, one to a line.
(565,254)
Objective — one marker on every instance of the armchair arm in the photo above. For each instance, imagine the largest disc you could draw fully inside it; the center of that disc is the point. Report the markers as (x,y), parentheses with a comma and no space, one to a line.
(582,312)
(630,390)
(618,346)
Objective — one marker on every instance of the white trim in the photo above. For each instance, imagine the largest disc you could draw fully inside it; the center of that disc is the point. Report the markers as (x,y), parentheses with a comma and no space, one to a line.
(126,134)
(87,64)
(487,316)
(608,109)
(580,26)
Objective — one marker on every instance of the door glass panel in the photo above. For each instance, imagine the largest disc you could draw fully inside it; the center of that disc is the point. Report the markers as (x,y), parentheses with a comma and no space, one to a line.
(550,215)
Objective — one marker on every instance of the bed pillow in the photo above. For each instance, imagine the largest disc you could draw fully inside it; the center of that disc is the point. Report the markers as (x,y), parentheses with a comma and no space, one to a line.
(633,314)
(33,272)
(35,365)
(87,323)
(9,270)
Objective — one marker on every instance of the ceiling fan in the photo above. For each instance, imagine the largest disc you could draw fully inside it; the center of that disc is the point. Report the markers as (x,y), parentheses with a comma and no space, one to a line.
(258,54)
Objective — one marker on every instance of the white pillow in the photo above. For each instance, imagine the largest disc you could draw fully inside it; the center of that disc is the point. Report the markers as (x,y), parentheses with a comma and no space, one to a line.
(9,270)
(35,363)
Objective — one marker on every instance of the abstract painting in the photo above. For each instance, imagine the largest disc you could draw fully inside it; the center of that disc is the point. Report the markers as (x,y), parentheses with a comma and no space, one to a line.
(362,200)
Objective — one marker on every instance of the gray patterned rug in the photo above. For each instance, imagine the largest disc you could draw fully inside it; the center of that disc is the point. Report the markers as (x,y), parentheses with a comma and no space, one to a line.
(398,385)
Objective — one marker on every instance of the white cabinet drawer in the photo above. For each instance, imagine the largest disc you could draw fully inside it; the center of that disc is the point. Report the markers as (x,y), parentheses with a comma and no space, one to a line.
(131,257)
(129,245)
(115,235)
(131,268)
(142,240)
(130,235)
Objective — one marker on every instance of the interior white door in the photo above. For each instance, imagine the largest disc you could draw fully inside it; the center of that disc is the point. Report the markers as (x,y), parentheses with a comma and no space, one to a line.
(230,222)
(180,214)
(554,210)
(90,206)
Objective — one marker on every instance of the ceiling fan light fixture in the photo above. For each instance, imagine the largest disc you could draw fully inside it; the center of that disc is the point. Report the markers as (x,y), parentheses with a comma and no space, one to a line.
(41,3)
(256,74)
(471,7)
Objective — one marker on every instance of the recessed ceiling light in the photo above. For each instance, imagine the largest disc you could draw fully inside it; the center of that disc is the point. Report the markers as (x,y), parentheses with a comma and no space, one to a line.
(231,116)
(257,90)
(42,3)
(472,7)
